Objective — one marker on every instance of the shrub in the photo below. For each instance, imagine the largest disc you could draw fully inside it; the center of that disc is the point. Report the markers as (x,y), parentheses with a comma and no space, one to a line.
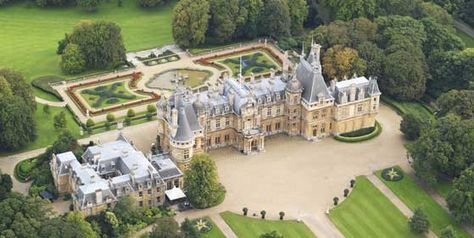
(419,222)
(335,200)
(72,60)
(282,214)
(375,133)
(110,117)
(128,121)
(151,108)
(112,100)
(346,192)
(130,113)
(245,211)
(263,213)
(43,83)
(352,183)
(149,116)
(46,109)
(90,123)
(107,125)
(392,174)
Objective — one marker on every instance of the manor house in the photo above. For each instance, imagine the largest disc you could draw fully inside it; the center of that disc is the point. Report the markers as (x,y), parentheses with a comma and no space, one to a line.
(241,114)
(113,170)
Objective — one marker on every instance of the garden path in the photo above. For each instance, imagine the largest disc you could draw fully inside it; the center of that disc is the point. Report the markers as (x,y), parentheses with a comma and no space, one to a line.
(460,25)
(50,103)
(394,199)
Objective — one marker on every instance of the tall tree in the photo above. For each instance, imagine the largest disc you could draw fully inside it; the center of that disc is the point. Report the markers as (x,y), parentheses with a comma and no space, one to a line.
(350,9)
(340,62)
(419,222)
(298,14)
(440,38)
(396,27)
(5,185)
(190,22)
(247,21)
(459,102)
(275,19)
(165,227)
(396,7)
(201,182)
(100,42)
(461,199)
(223,21)
(437,13)
(411,126)
(72,60)
(375,58)
(405,71)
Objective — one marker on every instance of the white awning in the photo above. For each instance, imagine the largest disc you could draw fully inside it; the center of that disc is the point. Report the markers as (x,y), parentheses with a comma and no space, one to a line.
(175,194)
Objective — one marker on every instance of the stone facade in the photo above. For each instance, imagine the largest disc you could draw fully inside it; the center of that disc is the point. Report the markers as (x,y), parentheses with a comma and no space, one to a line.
(113,170)
(241,114)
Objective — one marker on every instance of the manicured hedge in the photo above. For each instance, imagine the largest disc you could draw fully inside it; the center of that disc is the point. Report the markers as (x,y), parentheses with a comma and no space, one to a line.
(43,83)
(373,134)
(361,132)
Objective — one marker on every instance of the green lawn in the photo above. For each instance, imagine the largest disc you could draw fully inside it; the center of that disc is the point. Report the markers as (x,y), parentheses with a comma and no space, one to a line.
(468,40)
(215,232)
(45,129)
(414,196)
(29,35)
(245,227)
(367,213)
(416,108)
(443,187)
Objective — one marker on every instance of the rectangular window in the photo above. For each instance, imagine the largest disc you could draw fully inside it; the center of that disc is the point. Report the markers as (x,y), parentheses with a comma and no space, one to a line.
(278,112)
(169,185)
(360,108)
(149,191)
(269,128)
(217,140)
(277,126)
(218,123)
(227,122)
(140,203)
(176,183)
(226,138)
(158,199)
(269,111)
(158,190)
(209,142)
(149,203)
(140,194)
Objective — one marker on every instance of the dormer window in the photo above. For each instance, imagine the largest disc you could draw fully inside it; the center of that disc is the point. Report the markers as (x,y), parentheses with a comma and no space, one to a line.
(278,97)
(259,101)
(269,98)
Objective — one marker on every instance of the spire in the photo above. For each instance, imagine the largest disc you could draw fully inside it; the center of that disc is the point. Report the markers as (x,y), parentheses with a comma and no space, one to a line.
(302,50)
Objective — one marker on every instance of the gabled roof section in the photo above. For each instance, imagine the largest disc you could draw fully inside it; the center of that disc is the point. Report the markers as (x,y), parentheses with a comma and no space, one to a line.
(313,82)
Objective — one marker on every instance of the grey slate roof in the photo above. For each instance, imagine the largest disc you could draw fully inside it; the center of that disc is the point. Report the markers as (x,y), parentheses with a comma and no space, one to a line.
(184,132)
(313,82)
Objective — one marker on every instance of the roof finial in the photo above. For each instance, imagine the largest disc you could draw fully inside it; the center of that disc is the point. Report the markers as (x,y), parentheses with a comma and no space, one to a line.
(302,50)
(312,40)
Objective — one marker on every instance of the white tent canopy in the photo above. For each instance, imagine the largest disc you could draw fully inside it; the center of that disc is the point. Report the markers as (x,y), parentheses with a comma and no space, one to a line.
(175,194)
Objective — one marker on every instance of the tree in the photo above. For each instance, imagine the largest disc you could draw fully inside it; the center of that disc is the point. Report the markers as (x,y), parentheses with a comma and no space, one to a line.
(72,60)
(440,38)
(46,109)
(201,182)
(396,7)
(392,28)
(60,121)
(100,43)
(247,21)
(88,5)
(281,214)
(274,20)
(110,117)
(404,71)
(450,70)
(347,10)
(83,228)
(298,13)
(340,62)
(411,126)
(6,185)
(189,230)
(272,234)
(263,213)
(62,44)
(437,13)
(448,232)
(459,102)
(22,216)
(374,57)
(64,142)
(223,21)
(166,227)
(437,150)
(17,125)
(190,22)
(19,87)
(419,222)
(461,200)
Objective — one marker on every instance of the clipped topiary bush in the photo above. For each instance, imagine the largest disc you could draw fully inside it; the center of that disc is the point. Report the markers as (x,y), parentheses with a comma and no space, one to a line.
(376,132)
(392,174)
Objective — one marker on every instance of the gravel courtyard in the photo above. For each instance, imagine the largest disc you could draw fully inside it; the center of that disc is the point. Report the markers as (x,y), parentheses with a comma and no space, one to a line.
(301,177)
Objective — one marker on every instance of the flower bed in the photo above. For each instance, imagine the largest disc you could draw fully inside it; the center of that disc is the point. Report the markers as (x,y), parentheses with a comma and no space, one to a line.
(392,174)
(71,91)
(358,136)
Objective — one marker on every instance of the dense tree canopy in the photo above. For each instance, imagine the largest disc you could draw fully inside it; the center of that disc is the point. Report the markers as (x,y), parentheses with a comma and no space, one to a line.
(349,34)
(440,38)
(223,21)
(461,199)
(298,14)
(165,227)
(72,60)
(446,147)
(374,57)
(99,42)
(247,23)
(459,102)
(17,106)
(190,20)
(411,126)
(392,27)
(5,185)
(201,182)
(419,222)
(342,62)
(350,9)
(275,20)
